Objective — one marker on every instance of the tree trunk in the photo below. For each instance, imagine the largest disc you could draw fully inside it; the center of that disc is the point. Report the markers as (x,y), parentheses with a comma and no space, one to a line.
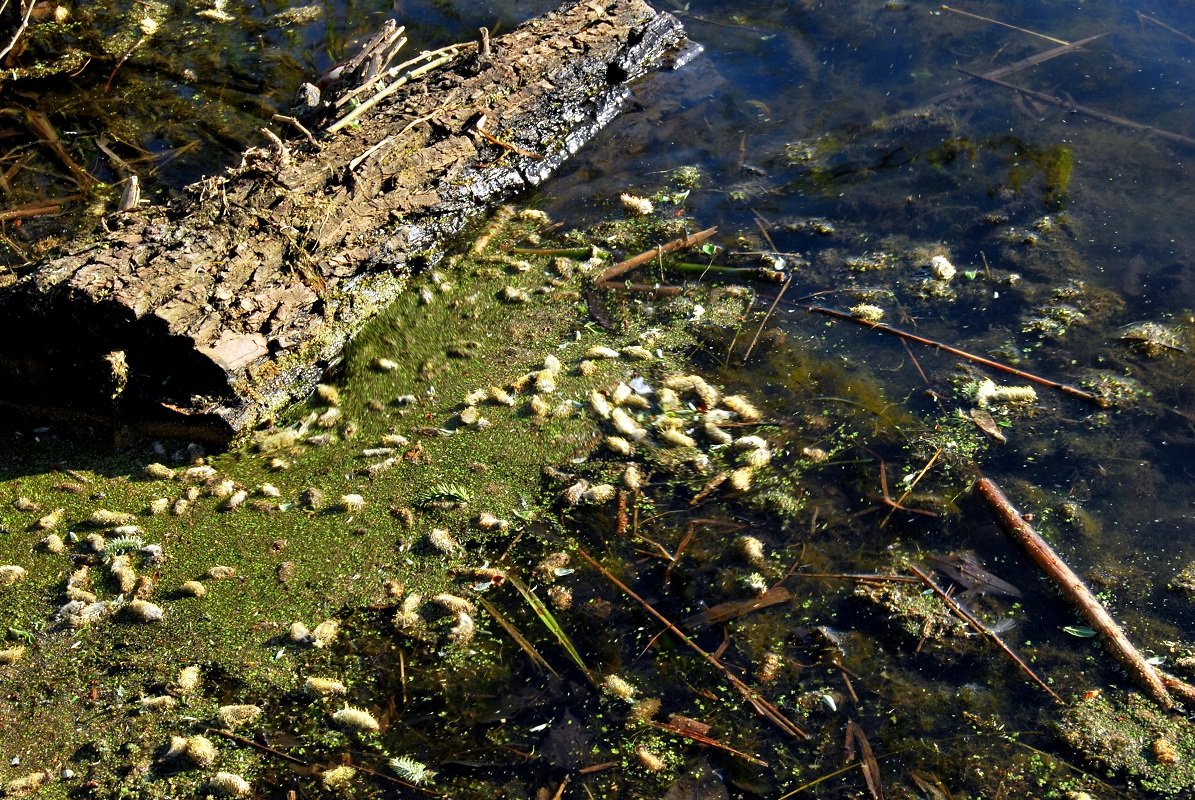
(203,319)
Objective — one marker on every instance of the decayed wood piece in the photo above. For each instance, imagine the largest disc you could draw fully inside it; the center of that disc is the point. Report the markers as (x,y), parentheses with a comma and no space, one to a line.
(206,317)
(1072,586)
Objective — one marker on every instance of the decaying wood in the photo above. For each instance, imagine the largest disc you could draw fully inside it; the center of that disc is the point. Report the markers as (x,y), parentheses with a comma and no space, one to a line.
(205,318)
(1142,672)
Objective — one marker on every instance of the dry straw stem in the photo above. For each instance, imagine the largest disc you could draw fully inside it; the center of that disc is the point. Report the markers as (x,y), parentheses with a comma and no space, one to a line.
(609,274)
(1064,578)
(954,351)
(761,706)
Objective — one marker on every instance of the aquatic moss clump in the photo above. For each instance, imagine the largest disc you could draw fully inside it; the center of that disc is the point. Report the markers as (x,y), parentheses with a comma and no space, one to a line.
(1128,735)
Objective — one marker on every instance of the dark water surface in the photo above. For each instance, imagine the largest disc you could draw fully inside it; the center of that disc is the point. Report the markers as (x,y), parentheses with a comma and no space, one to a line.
(849,133)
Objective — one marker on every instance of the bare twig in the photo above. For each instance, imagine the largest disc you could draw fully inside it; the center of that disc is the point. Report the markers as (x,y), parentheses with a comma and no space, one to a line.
(299,126)
(1003,24)
(763,707)
(987,362)
(1124,122)
(1164,26)
(983,630)
(1064,578)
(20,30)
(688,240)
(766,317)
(1017,66)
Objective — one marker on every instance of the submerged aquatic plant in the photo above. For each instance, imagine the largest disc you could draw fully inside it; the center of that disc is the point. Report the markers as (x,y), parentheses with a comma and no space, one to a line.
(444,495)
(412,771)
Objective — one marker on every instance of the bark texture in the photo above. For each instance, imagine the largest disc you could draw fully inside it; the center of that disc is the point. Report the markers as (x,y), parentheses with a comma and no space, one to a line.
(207,317)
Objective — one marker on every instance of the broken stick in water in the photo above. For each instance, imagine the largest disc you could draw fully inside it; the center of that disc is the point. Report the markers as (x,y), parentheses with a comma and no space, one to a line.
(1072,586)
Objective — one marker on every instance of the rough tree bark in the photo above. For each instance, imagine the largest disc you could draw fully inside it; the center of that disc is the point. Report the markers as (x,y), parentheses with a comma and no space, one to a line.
(207,317)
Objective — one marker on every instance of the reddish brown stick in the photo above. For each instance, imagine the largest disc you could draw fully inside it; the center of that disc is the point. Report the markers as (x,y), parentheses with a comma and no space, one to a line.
(969,618)
(689,240)
(954,351)
(1064,577)
(757,701)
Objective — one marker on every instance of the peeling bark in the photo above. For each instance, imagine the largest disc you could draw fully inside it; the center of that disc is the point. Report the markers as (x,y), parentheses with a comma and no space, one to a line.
(205,318)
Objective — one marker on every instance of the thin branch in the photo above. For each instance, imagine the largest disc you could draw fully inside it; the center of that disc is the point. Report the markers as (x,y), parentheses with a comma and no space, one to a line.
(1010,26)
(1064,578)
(762,706)
(983,630)
(20,30)
(987,362)
(1124,122)
(607,275)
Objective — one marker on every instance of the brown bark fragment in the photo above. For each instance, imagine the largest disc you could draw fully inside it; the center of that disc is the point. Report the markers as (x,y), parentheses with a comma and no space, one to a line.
(230,304)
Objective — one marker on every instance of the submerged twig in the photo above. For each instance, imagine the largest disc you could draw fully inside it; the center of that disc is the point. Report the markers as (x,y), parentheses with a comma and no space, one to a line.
(1164,26)
(20,30)
(978,359)
(1008,25)
(766,317)
(983,630)
(1072,586)
(1124,122)
(1017,66)
(701,738)
(762,706)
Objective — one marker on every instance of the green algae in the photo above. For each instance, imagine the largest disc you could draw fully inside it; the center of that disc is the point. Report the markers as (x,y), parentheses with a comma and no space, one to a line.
(295,557)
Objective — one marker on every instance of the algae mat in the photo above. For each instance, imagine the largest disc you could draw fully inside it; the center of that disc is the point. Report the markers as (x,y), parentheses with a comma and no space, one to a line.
(283,617)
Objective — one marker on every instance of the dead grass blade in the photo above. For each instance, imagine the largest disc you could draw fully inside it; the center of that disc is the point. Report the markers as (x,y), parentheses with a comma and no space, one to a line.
(518,637)
(869,765)
(550,622)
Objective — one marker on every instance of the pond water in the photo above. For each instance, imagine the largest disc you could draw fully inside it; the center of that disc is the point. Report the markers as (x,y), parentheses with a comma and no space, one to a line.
(846,145)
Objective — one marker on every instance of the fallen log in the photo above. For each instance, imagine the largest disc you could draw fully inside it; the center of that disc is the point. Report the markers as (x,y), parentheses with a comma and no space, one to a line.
(204,318)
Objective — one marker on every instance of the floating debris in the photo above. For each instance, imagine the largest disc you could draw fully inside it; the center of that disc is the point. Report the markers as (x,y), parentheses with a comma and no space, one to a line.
(338,778)
(12,655)
(356,719)
(144,611)
(234,716)
(51,520)
(352,503)
(637,205)
(325,633)
(324,687)
(229,784)
(941,268)
(158,703)
(441,539)
(989,394)
(650,761)
(193,589)
(197,749)
(189,679)
(11,573)
(619,688)
(867,312)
